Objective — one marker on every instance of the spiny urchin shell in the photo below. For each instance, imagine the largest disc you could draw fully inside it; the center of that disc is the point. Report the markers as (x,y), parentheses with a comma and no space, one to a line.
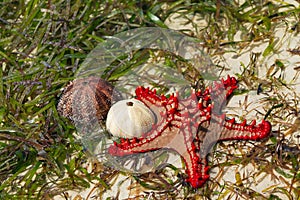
(86,101)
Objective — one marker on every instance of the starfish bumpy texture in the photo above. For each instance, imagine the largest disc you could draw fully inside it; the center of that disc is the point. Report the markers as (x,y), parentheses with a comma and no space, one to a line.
(183,124)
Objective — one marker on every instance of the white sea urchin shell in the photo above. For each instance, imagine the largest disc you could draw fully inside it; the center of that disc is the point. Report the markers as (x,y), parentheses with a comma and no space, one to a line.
(129,119)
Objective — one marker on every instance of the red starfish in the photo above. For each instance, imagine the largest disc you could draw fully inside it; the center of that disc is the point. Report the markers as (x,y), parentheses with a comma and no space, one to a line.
(183,124)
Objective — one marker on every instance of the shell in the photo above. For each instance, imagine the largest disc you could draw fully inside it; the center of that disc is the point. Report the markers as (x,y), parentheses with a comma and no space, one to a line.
(86,101)
(129,119)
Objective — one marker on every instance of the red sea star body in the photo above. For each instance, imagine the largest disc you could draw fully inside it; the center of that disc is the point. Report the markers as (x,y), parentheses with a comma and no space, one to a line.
(182,125)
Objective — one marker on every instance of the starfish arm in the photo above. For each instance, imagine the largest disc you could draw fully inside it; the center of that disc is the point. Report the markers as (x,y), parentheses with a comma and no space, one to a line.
(197,172)
(224,89)
(242,131)
(196,167)
(155,140)
(230,84)
(219,93)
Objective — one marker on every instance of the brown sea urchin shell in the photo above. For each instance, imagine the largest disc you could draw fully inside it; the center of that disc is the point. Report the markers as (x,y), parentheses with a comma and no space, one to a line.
(86,101)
